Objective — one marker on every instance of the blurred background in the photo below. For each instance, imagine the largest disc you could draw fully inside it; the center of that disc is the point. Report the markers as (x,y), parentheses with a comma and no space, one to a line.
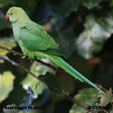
(84,30)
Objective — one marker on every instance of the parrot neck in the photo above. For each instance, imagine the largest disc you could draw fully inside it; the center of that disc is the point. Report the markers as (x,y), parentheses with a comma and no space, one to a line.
(23,18)
(22,21)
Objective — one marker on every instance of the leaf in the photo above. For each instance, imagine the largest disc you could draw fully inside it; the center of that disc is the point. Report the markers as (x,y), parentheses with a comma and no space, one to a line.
(111,111)
(36,85)
(7,42)
(3,23)
(86,96)
(44,97)
(90,3)
(63,7)
(106,98)
(6,2)
(66,40)
(6,82)
(1,60)
(29,97)
(86,46)
(97,31)
(27,101)
(52,84)
(111,3)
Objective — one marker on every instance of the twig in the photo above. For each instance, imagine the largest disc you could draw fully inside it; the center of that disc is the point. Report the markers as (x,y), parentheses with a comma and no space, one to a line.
(43,63)
(17,65)
(12,51)
(26,70)
(76,102)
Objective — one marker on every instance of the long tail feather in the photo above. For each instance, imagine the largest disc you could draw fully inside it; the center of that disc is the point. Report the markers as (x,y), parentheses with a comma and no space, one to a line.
(61,63)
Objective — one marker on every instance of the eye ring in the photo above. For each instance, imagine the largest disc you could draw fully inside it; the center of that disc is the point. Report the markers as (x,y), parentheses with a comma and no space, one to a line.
(11,13)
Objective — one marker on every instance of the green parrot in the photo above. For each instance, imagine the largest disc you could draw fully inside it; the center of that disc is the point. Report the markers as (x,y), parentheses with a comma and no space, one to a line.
(34,42)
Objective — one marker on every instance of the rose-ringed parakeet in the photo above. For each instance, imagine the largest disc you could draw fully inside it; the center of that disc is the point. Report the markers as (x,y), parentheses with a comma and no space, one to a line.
(34,42)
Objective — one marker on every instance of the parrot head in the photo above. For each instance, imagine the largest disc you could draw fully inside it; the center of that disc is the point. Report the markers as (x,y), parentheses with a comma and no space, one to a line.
(14,14)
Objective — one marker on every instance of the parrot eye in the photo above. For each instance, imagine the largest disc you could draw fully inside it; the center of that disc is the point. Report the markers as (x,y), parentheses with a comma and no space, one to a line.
(11,13)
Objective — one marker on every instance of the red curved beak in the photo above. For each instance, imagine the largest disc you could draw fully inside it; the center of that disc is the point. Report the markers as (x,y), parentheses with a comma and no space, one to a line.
(7,17)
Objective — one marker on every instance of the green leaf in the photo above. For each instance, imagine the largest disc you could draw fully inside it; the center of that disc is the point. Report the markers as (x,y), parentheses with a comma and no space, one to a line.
(105,99)
(52,83)
(3,23)
(36,85)
(111,111)
(63,7)
(6,2)
(90,3)
(6,84)
(7,42)
(66,40)
(111,3)
(97,31)
(1,60)
(88,97)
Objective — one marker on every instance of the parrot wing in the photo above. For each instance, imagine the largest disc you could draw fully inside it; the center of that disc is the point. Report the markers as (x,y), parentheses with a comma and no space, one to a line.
(35,38)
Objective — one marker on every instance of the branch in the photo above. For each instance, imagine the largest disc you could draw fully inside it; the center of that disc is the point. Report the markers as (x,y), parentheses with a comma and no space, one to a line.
(46,64)
(26,70)
(17,65)
(76,102)
(43,63)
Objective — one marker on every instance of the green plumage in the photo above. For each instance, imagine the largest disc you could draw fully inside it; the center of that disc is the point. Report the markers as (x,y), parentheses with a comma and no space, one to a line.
(40,39)
(61,63)
(35,42)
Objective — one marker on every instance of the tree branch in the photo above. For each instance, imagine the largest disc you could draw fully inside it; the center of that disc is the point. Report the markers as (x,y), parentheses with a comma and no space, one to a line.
(26,70)
(76,102)
(43,63)
(17,65)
